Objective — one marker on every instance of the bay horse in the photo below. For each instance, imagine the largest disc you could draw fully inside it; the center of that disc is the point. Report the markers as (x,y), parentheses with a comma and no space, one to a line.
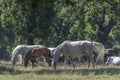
(37,52)
(22,50)
(73,49)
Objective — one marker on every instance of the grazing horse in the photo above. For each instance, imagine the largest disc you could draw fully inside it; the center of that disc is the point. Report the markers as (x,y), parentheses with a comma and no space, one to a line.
(22,50)
(52,50)
(35,53)
(111,52)
(73,49)
(102,51)
(113,60)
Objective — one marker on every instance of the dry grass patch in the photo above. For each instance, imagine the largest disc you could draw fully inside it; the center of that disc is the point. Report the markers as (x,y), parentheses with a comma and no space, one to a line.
(8,72)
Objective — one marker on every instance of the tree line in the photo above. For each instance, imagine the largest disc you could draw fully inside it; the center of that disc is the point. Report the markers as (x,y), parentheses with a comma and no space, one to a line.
(50,22)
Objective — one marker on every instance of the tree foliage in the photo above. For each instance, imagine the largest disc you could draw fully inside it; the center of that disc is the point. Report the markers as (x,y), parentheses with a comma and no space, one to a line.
(49,22)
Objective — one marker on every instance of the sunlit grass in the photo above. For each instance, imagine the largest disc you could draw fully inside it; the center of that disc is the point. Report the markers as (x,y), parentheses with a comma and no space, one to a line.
(8,72)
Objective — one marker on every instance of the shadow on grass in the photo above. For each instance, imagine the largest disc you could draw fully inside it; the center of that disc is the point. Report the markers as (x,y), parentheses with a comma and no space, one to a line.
(4,70)
(108,71)
(101,71)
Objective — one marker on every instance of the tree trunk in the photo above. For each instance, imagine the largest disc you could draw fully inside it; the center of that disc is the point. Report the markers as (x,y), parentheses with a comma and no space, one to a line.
(103,31)
(30,41)
(31,28)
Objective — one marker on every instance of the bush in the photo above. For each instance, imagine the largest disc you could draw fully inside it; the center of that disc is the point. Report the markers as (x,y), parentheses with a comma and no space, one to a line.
(4,55)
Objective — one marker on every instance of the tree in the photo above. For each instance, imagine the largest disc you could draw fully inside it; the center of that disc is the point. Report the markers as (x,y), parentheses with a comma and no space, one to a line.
(51,22)
(103,30)
(24,23)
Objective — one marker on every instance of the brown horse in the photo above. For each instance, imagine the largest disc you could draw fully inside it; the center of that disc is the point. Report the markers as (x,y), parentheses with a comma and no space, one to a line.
(35,53)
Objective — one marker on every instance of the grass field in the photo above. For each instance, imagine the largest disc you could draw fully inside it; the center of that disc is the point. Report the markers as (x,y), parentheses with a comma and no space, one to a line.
(8,72)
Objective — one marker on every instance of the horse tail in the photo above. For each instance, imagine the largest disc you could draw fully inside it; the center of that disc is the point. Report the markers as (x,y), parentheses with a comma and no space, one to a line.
(49,53)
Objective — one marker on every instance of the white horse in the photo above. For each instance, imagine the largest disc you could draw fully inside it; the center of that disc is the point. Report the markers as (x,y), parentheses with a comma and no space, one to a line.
(51,50)
(22,50)
(73,49)
(102,51)
(114,60)
(111,52)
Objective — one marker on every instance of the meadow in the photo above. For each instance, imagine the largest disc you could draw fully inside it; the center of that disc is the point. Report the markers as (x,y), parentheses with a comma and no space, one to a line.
(9,72)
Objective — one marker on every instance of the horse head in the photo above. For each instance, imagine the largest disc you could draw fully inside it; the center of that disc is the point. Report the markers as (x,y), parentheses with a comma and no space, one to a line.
(55,56)
(48,56)
(13,60)
(25,62)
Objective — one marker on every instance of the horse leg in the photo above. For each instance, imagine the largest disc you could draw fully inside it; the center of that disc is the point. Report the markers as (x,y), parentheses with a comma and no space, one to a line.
(88,61)
(32,61)
(65,62)
(100,60)
(72,62)
(26,63)
(43,61)
(21,59)
(93,61)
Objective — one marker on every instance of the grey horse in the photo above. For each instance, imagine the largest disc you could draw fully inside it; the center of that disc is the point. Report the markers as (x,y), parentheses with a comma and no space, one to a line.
(22,50)
(74,49)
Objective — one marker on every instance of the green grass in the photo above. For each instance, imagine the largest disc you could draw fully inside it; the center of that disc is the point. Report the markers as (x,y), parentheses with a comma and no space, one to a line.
(8,72)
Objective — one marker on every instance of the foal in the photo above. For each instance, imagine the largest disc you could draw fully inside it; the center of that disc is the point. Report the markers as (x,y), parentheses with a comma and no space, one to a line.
(35,53)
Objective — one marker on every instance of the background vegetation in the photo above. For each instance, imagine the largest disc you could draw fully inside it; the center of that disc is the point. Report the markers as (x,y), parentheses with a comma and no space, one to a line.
(50,22)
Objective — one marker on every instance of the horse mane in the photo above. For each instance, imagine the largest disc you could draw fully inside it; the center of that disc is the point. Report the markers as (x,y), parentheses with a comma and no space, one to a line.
(59,47)
(26,58)
(49,53)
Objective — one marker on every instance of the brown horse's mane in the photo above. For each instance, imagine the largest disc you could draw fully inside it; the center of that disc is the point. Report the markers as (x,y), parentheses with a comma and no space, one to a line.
(49,53)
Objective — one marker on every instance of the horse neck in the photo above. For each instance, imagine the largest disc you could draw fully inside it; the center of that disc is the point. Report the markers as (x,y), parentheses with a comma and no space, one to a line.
(46,52)
(28,54)
(95,49)
(57,53)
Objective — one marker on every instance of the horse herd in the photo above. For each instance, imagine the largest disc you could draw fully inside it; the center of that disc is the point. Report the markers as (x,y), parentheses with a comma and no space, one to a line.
(93,51)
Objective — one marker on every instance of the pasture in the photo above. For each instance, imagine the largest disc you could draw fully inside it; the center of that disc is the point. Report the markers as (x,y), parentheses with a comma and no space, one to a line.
(8,72)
